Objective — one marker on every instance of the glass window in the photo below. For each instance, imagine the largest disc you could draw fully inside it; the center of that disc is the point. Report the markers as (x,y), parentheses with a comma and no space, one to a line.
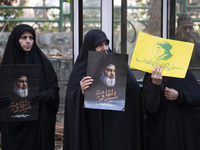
(91,15)
(188,29)
(142,15)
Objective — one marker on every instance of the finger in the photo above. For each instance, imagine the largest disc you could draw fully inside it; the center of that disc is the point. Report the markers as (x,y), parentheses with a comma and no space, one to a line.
(154,70)
(86,82)
(83,79)
(158,71)
(86,88)
(167,94)
(86,78)
(83,88)
(153,75)
(160,68)
(167,89)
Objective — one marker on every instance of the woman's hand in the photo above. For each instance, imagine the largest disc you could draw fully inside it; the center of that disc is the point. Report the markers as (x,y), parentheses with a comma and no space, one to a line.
(171,94)
(85,82)
(155,76)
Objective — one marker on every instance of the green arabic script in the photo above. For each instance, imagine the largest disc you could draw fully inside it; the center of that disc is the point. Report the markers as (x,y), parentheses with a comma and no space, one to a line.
(165,66)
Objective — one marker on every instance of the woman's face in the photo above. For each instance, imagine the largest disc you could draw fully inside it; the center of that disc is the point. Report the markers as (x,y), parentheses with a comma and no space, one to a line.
(26,41)
(102,47)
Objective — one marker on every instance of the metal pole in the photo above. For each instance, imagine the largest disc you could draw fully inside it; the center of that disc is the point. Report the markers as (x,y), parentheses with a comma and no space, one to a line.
(71,14)
(124,27)
(164,19)
(172,19)
(61,16)
(44,11)
(185,6)
(107,19)
(76,32)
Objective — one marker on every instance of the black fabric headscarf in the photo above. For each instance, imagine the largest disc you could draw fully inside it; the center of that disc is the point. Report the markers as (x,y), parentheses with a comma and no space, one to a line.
(32,135)
(91,41)
(14,53)
(90,129)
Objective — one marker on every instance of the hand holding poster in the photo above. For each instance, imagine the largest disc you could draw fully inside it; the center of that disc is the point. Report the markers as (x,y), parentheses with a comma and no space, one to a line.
(173,56)
(108,89)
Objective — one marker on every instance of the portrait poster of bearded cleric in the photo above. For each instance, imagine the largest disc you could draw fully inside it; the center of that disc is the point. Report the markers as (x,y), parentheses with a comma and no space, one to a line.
(19,83)
(108,89)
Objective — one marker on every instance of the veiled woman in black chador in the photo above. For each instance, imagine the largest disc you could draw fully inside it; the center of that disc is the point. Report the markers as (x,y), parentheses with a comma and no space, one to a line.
(39,134)
(90,129)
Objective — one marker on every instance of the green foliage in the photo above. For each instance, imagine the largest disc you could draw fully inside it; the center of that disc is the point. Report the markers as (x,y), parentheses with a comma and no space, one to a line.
(46,27)
(91,19)
(9,14)
(199,27)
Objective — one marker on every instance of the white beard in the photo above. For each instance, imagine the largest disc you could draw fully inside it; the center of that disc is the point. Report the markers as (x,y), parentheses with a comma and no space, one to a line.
(107,81)
(20,92)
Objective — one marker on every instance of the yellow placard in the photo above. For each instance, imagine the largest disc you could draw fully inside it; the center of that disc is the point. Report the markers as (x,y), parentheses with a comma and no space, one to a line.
(150,51)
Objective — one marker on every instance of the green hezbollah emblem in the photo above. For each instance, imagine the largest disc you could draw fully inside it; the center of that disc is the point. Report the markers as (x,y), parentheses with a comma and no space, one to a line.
(162,51)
